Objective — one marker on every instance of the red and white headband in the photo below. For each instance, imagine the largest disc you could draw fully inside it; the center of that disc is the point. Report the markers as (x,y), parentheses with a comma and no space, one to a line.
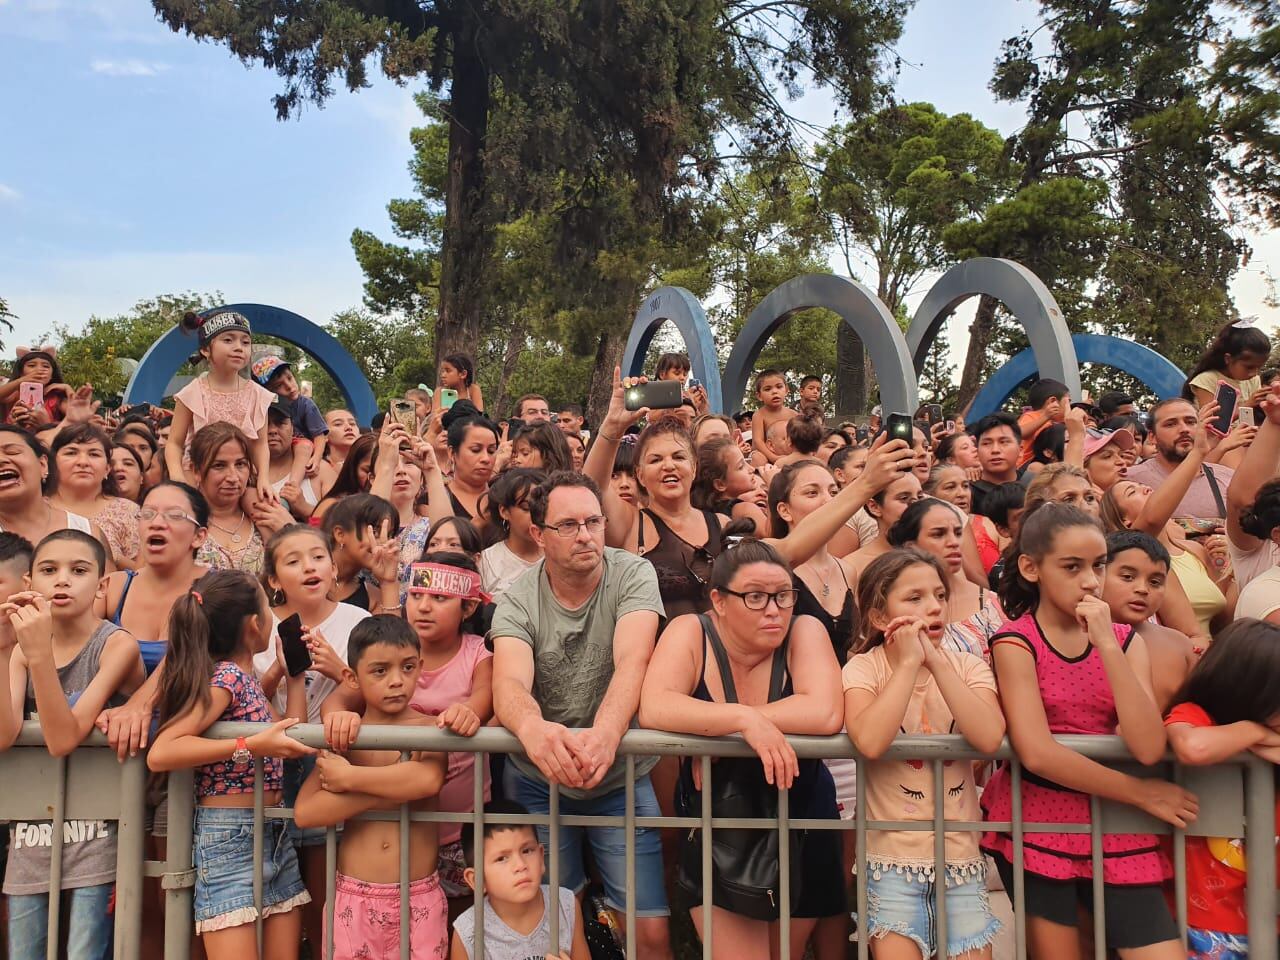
(444,580)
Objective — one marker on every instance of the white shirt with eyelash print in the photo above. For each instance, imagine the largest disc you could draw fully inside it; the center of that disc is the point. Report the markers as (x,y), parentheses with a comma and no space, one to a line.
(904,789)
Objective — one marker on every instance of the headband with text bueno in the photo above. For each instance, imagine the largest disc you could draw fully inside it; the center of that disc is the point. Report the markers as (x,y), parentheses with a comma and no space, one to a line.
(443,580)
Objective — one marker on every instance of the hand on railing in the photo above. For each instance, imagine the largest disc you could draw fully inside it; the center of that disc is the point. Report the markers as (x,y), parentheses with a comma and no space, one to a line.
(340,729)
(550,746)
(595,750)
(127,728)
(1167,801)
(275,742)
(777,756)
(459,718)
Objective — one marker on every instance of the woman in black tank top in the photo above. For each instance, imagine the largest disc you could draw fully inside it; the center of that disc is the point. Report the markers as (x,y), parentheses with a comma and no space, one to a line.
(750,650)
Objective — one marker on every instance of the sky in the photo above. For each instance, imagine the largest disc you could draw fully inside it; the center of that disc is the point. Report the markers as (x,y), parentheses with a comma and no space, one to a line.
(136,162)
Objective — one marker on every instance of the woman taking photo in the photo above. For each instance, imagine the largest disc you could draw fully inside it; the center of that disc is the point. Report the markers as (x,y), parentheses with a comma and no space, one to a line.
(220,457)
(404,469)
(749,667)
(972,612)
(86,486)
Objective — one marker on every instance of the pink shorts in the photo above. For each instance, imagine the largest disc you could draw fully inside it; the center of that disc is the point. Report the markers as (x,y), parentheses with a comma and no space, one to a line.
(366,920)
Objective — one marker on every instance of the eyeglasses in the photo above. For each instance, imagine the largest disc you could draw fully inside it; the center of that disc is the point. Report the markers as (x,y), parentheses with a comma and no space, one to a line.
(172,516)
(570,528)
(758,599)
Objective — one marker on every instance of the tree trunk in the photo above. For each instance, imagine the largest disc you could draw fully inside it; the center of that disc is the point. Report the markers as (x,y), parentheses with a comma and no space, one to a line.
(976,359)
(510,358)
(851,374)
(608,356)
(467,240)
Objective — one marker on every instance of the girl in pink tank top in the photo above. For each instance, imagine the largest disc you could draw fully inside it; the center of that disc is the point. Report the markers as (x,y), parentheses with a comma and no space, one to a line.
(1064,668)
(455,684)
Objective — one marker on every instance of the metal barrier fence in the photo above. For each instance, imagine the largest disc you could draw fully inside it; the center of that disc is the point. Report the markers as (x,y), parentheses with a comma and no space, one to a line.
(1237,799)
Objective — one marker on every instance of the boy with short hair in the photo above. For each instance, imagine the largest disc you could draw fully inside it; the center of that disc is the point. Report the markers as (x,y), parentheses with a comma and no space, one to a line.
(1048,402)
(811,391)
(383,666)
(516,903)
(60,664)
(1137,575)
(771,391)
(310,431)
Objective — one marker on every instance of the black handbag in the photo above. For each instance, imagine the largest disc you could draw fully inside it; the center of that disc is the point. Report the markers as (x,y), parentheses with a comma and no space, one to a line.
(745,872)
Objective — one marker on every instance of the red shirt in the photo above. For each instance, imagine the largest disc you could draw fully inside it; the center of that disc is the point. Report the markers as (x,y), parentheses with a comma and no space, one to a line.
(1215,865)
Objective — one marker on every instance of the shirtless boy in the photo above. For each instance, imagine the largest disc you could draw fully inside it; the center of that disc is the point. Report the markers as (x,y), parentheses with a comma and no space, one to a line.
(383,665)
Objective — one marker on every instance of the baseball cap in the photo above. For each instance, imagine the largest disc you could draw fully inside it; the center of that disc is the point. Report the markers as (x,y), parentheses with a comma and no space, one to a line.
(264,368)
(279,408)
(1095,440)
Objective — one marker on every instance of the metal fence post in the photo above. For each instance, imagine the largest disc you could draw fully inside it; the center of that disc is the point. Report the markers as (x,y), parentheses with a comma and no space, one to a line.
(1260,846)
(179,877)
(130,854)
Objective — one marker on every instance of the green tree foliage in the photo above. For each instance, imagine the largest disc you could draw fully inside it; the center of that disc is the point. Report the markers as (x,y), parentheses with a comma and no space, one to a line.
(6,316)
(90,354)
(890,185)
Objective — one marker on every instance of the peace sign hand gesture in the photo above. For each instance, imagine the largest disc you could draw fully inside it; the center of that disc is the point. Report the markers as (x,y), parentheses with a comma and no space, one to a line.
(384,558)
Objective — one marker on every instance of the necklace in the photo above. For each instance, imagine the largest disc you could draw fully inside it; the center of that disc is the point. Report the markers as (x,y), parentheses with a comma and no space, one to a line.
(234,534)
(826,586)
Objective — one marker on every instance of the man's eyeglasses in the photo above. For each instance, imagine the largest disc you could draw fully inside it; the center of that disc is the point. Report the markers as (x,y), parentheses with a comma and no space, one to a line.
(172,516)
(758,599)
(570,528)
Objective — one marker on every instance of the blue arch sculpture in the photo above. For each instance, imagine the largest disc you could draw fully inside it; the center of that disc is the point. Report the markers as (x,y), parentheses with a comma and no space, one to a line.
(858,307)
(683,309)
(1151,368)
(1021,292)
(170,352)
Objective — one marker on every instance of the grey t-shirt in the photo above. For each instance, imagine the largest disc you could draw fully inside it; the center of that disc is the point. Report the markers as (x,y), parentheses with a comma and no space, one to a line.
(88,846)
(573,649)
(503,943)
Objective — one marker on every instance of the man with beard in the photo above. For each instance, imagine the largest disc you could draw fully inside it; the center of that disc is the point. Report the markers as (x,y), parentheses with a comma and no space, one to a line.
(1173,422)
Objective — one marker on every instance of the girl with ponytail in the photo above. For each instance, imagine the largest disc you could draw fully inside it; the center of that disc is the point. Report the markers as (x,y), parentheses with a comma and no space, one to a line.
(214,632)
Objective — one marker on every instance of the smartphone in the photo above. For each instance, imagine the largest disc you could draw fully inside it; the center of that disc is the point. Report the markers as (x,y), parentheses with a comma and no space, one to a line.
(403,413)
(31,394)
(448,397)
(951,426)
(1197,527)
(933,413)
(694,384)
(656,395)
(899,427)
(1246,417)
(1228,396)
(297,657)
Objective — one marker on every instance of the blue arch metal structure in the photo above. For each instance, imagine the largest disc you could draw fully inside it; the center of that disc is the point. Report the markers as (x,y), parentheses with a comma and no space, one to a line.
(1021,292)
(1153,369)
(683,309)
(857,306)
(170,352)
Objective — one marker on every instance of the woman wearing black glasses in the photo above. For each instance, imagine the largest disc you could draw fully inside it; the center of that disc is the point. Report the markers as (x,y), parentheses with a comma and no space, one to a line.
(750,667)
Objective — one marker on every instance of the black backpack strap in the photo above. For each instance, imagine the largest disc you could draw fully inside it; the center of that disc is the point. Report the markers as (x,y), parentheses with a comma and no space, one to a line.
(722,659)
(1215,490)
(778,675)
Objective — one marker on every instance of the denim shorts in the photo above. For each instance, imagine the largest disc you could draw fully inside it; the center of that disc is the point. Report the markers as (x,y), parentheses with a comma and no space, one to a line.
(608,844)
(224,869)
(905,903)
(295,775)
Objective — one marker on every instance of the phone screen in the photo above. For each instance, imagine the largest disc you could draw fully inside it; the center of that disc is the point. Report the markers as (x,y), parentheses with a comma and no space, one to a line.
(297,657)
(899,427)
(448,398)
(655,394)
(1227,398)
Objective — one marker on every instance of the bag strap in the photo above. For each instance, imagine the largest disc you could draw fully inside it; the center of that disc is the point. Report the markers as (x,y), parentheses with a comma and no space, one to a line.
(778,671)
(1214,489)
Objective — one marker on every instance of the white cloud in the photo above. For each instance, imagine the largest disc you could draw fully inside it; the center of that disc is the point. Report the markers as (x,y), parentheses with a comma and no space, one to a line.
(127,68)
(7,193)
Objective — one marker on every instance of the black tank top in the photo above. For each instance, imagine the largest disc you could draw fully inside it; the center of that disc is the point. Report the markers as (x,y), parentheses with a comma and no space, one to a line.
(840,627)
(683,570)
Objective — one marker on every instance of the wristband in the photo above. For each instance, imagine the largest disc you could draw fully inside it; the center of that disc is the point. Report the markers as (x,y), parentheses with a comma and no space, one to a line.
(241,756)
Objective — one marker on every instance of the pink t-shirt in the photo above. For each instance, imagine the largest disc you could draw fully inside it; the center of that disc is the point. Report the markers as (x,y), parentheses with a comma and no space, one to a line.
(437,690)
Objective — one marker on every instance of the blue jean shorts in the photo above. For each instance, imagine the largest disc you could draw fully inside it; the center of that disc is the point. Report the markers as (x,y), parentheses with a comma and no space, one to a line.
(224,862)
(906,903)
(295,775)
(608,844)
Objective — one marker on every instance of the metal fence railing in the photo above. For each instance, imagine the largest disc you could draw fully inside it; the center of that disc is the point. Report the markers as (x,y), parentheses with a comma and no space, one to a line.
(1237,799)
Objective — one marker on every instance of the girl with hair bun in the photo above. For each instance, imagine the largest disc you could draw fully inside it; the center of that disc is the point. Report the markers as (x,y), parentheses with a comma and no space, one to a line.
(221,394)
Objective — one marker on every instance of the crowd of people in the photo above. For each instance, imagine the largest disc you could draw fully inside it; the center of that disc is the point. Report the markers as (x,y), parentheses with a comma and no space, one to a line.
(1107,567)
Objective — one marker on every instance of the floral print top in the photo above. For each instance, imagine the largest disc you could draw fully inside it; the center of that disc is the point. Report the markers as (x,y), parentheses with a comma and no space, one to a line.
(248,704)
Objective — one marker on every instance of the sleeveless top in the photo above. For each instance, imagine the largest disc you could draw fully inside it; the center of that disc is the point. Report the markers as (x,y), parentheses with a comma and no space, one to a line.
(76,675)
(153,651)
(1207,600)
(1077,700)
(840,627)
(74,522)
(683,570)
(458,509)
